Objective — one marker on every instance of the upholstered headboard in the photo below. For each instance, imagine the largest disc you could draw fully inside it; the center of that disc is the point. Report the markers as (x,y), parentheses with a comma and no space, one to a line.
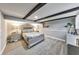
(27,28)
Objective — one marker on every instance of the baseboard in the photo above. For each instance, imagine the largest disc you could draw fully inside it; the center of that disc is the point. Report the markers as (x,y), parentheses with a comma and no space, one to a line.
(2,49)
(54,38)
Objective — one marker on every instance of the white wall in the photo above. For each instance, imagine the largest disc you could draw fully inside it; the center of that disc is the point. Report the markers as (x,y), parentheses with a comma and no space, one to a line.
(59,24)
(11,20)
(2,33)
(77,22)
(57,29)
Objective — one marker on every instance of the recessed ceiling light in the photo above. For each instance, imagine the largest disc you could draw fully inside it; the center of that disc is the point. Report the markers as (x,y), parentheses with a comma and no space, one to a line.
(36,17)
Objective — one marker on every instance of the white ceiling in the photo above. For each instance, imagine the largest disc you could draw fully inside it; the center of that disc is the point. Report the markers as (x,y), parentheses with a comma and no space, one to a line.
(60,16)
(21,9)
(16,9)
(52,8)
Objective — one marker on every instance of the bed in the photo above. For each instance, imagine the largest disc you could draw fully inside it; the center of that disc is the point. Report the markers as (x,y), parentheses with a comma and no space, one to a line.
(31,37)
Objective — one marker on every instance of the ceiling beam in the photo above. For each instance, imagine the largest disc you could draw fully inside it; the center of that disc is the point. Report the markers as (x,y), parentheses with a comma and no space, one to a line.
(63,12)
(59,18)
(38,6)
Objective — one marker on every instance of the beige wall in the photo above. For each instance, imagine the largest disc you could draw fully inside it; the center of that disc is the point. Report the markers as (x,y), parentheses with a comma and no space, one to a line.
(40,27)
(9,27)
(37,26)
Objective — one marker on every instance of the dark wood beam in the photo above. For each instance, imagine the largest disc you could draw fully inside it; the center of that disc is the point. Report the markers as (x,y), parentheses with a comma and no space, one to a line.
(38,6)
(59,18)
(63,12)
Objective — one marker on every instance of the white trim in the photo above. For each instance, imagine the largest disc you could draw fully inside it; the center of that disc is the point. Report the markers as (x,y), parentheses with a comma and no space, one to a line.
(5,35)
(2,49)
(55,38)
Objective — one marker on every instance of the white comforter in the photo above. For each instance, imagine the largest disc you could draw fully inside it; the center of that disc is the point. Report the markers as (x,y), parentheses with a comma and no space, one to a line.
(32,34)
(33,38)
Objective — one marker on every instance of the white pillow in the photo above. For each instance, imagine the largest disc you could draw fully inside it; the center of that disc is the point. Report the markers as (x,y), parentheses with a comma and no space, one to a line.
(27,30)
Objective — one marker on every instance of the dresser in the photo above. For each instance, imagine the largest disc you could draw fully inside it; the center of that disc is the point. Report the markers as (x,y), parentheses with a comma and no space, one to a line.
(73,40)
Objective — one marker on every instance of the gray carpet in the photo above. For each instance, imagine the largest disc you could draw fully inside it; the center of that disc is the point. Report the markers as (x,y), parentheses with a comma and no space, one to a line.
(47,47)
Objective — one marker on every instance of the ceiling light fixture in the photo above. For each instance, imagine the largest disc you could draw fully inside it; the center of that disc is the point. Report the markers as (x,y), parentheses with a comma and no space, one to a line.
(36,17)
